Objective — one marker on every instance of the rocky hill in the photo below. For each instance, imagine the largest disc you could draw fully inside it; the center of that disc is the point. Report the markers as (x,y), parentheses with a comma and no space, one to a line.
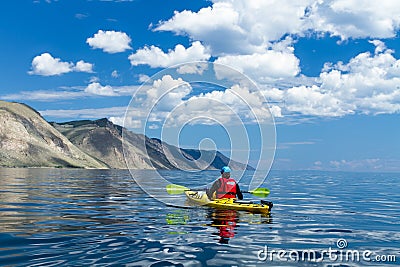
(27,140)
(108,143)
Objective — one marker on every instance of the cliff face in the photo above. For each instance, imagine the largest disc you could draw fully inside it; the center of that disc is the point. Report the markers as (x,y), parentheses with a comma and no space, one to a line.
(108,143)
(27,140)
(103,140)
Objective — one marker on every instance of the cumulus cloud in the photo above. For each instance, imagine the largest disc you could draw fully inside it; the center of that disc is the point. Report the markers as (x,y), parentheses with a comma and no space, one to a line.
(155,57)
(261,66)
(258,41)
(82,66)
(167,92)
(355,18)
(249,27)
(246,26)
(171,102)
(110,41)
(47,65)
(193,68)
(235,103)
(127,122)
(154,102)
(97,89)
(312,101)
(143,78)
(367,84)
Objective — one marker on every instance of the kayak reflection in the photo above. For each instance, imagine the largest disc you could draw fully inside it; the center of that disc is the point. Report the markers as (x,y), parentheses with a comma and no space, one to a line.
(226,222)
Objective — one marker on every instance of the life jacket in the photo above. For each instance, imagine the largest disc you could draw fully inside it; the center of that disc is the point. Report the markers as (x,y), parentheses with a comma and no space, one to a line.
(227,188)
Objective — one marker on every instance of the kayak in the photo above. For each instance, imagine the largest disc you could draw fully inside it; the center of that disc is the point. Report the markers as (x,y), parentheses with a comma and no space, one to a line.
(201,198)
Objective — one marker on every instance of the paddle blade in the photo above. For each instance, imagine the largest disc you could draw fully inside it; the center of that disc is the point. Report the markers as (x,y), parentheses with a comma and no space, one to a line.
(260,192)
(174,189)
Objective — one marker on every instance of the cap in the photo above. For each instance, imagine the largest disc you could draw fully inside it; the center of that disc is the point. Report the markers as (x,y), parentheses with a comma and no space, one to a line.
(225,169)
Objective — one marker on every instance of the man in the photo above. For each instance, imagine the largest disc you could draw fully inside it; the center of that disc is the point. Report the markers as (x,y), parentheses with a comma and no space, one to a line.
(225,187)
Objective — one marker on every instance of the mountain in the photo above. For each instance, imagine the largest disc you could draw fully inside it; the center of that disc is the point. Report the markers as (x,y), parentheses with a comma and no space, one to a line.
(117,147)
(27,140)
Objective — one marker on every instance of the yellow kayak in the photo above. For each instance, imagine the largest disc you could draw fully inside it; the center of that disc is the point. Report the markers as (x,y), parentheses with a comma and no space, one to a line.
(200,198)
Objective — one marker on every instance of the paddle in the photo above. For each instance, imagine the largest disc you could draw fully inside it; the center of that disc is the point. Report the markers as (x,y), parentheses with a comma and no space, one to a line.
(174,189)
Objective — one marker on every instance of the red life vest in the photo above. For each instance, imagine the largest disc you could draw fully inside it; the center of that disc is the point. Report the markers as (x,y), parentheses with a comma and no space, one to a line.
(227,188)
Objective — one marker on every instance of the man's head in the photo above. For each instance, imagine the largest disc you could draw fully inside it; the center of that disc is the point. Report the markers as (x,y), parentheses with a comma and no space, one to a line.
(226,172)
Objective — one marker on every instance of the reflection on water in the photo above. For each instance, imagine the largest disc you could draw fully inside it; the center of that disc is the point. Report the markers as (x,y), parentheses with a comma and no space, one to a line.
(52,217)
(226,222)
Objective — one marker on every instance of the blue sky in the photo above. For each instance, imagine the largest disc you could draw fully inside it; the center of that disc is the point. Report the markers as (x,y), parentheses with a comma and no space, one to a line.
(330,70)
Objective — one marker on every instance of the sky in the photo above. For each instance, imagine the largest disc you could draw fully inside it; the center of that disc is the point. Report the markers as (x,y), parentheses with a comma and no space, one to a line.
(218,74)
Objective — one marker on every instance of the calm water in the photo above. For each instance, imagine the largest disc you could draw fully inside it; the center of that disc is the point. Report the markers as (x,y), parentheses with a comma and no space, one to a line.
(101,217)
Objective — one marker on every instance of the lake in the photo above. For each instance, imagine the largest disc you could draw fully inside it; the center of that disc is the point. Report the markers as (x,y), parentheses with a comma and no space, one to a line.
(59,217)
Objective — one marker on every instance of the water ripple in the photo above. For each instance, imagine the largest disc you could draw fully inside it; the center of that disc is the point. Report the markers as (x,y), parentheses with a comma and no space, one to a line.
(102,218)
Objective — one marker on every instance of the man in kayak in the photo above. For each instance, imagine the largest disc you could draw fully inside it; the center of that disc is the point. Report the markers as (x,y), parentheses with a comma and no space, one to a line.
(225,187)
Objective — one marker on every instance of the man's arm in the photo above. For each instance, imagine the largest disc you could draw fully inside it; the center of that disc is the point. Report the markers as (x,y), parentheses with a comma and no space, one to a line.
(213,189)
(238,192)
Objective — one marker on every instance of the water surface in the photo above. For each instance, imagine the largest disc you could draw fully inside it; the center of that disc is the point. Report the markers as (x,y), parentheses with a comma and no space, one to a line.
(55,217)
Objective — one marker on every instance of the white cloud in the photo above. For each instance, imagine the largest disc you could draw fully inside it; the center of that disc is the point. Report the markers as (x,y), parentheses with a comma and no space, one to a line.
(169,100)
(368,164)
(81,16)
(249,27)
(312,101)
(166,93)
(367,84)
(44,95)
(89,113)
(356,18)
(96,88)
(155,57)
(47,65)
(127,122)
(93,89)
(82,66)
(255,41)
(288,145)
(276,111)
(94,79)
(193,68)
(143,78)
(261,66)
(208,25)
(110,41)
(115,74)
(235,105)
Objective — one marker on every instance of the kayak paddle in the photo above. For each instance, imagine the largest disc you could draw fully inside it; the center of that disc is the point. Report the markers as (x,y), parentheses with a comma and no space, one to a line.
(258,192)
(174,189)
